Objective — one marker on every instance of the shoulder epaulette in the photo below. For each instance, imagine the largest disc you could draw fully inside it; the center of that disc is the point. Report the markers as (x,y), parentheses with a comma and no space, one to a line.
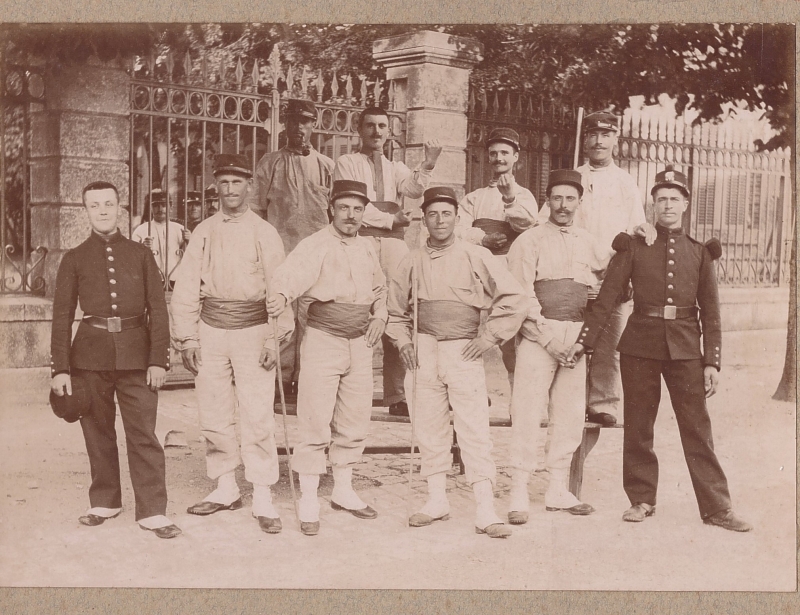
(714,248)
(622,242)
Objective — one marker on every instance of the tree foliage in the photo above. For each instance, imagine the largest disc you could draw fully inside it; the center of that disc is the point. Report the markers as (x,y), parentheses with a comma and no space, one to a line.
(706,67)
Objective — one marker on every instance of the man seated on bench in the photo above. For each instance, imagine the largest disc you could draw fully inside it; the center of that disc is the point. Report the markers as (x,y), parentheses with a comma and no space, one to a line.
(552,261)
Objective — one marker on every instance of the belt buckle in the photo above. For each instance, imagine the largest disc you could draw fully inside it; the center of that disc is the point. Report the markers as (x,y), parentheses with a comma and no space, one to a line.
(114,324)
(670,312)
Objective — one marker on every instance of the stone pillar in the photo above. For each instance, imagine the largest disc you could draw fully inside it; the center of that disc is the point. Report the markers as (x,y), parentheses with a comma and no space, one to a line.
(430,71)
(81,134)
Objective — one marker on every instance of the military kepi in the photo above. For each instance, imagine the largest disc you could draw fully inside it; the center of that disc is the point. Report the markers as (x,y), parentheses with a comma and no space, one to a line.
(72,407)
(670,178)
(349,187)
(504,135)
(564,176)
(301,108)
(601,120)
(438,194)
(232,163)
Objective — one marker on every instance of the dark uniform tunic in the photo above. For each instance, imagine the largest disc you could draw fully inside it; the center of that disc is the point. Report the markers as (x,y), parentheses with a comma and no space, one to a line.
(115,278)
(673,280)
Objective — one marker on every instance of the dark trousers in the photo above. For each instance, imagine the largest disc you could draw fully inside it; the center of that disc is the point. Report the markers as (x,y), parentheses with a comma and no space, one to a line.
(138,406)
(394,373)
(641,384)
(508,351)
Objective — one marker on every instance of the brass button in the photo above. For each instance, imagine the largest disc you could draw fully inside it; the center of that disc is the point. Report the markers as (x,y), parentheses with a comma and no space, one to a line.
(672,241)
(113,307)
(111,270)
(113,295)
(669,299)
(111,258)
(108,249)
(671,251)
(112,281)
(670,275)
(670,286)
(671,262)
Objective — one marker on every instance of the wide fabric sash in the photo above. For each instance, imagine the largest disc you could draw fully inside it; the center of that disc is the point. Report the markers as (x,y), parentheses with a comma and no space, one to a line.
(345,320)
(563,299)
(489,225)
(230,314)
(448,320)
(370,231)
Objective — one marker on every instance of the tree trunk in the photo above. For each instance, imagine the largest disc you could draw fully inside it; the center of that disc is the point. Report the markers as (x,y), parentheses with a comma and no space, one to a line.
(787,389)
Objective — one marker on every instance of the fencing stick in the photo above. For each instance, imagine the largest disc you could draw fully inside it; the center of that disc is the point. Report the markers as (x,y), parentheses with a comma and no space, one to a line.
(279,370)
(577,155)
(415,344)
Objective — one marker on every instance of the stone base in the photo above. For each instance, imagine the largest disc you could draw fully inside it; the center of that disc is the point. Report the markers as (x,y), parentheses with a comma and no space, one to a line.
(746,309)
(25,332)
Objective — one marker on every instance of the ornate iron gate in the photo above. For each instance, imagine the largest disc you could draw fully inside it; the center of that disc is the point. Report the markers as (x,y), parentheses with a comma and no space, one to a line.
(21,264)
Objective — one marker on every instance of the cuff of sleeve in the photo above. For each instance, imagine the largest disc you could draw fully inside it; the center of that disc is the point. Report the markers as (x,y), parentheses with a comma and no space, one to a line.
(382,315)
(186,344)
(544,338)
(586,337)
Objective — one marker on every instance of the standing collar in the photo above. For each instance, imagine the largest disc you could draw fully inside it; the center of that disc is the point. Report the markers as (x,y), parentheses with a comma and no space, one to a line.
(561,229)
(115,238)
(229,218)
(663,230)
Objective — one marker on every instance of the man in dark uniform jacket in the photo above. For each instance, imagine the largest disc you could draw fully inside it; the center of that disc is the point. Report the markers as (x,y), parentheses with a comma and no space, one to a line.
(122,347)
(672,281)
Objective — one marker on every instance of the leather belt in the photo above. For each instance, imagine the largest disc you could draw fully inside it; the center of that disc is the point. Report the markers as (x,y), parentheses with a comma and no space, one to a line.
(115,324)
(667,312)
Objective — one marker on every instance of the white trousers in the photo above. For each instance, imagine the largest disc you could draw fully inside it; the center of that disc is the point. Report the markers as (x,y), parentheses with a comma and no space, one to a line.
(543,388)
(334,401)
(228,355)
(445,379)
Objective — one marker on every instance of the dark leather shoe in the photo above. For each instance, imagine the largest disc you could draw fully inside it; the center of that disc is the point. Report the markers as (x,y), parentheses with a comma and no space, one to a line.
(728,520)
(601,418)
(168,531)
(209,508)
(638,512)
(93,520)
(581,509)
(362,513)
(399,409)
(309,528)
(270,526)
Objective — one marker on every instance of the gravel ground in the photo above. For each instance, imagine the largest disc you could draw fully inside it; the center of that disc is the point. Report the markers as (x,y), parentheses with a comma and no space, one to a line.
(45,477)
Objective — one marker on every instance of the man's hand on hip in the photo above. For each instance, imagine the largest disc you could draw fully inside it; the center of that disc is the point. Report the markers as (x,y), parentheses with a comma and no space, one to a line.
(475,348)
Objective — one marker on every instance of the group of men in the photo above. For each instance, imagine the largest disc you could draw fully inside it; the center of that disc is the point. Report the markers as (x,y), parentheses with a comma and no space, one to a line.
(494,270)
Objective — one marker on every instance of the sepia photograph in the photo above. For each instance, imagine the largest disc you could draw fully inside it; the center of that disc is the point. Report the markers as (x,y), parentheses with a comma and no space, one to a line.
(398,306)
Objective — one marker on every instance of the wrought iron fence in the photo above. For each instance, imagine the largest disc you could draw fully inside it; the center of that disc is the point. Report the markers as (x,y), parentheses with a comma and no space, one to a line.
(21,263)
(547,137)
(184,113)
(739,195)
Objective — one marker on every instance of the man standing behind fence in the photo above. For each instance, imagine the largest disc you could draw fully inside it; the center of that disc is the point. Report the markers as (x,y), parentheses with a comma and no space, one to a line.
(339,275)
(611,204)
(291,190)
(553,262)
(455,281)
(384,219)
(220,324)
(494,216)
